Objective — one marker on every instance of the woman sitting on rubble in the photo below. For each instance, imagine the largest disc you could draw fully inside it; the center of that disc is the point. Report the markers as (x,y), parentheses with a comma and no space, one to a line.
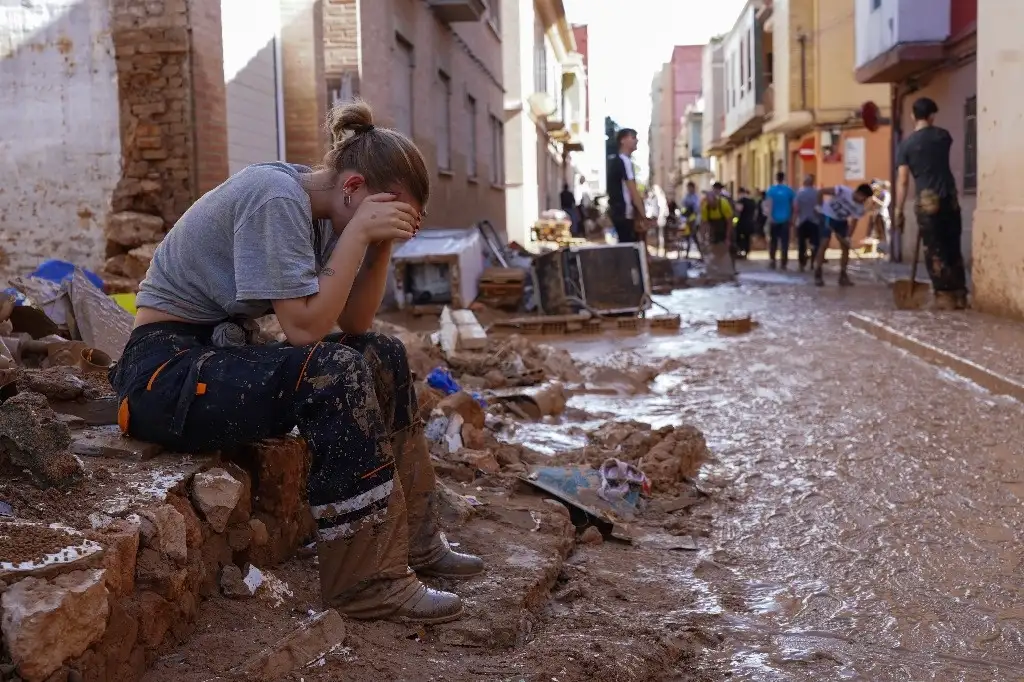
(312,246)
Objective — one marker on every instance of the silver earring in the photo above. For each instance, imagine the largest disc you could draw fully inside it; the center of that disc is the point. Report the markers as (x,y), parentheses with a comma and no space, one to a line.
(348,200)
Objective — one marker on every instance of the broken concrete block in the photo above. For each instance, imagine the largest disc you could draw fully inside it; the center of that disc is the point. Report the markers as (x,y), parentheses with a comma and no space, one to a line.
(465,405)
(33,438)
(453,508)
(215,493)
(163,529)
(46,623)
(313,639)
(471,335)
(478,460)
(132,229)
(136,263)
(591,536)
(236,585)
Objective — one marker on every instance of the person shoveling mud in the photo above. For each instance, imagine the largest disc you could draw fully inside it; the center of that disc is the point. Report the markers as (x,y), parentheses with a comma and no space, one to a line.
(313,246)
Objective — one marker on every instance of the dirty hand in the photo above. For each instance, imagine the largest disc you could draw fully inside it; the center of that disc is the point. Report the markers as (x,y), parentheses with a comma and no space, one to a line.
(899,220)
(381,219)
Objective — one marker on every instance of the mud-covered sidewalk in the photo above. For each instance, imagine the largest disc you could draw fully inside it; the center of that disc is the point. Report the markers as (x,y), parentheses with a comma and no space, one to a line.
(856,516)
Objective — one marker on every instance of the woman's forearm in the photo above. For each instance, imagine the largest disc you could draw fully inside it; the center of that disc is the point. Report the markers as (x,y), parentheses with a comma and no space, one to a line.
(307,320)
(367,291)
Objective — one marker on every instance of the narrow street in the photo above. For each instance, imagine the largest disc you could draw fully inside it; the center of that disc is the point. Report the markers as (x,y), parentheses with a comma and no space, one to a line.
(867,524)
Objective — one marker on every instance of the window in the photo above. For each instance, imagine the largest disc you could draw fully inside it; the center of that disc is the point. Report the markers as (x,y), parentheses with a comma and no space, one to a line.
(402,85)
(540,65)
(471,157)
(971,144)
(497,151)
(743,62)
(444,122)
(750,60)
(876,4)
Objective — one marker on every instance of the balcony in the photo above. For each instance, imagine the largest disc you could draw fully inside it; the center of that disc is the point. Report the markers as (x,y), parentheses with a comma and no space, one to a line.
(455,11)
(897,38)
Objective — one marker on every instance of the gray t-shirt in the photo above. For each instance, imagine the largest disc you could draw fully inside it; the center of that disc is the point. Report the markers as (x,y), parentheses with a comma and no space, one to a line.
(807,205)
(248,242)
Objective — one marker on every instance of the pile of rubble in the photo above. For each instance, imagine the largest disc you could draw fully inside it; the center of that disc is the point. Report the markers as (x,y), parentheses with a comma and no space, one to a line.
(131,240)
(108,546)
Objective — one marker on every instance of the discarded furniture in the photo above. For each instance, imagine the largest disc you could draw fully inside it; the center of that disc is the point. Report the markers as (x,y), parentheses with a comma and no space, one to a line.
(438,267)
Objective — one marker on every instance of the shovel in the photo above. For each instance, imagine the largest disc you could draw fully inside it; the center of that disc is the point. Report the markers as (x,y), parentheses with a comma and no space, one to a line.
(905,292)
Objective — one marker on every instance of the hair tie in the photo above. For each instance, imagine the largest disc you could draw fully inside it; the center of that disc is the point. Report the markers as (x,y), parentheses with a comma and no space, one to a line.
(365,129)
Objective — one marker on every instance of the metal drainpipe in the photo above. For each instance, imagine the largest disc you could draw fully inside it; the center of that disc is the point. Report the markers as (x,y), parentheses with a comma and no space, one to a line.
(802,39)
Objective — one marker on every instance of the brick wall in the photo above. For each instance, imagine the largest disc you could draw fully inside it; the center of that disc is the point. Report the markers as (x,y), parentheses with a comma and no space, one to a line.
(209,102)
(154,88)
(470,54)
(305,86)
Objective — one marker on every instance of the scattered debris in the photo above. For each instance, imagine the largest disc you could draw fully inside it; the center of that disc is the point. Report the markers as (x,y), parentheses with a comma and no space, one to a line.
(32,438)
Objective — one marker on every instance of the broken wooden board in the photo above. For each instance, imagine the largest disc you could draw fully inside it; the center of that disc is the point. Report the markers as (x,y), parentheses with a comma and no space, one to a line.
(95,412)
(315,638)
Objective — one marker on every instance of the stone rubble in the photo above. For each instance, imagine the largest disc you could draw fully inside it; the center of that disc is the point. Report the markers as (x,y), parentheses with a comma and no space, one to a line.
(216,494)
(45,623)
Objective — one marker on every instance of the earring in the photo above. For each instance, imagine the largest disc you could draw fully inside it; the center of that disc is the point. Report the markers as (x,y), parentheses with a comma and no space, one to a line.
(348,200)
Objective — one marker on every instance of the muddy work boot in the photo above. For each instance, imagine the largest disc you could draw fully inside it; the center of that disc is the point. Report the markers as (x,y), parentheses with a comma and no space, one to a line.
(452,565)
(945,300)
(379,601)
(844,280)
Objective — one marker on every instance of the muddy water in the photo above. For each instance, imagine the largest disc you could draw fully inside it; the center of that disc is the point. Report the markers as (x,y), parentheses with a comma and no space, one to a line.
(871,510)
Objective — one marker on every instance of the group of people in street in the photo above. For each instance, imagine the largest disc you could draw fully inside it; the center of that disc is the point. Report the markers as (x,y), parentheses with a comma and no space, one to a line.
(815,215)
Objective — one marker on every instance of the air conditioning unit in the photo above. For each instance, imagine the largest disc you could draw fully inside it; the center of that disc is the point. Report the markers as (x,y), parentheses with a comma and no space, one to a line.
(609,278)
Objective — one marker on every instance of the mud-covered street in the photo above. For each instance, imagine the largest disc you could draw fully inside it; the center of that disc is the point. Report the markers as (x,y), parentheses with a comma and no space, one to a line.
(867,526)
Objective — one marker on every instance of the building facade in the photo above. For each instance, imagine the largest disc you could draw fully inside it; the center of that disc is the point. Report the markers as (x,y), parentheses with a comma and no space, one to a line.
(792,101)
(106,136)
(676,86)
(927,48)
(997,246)
(431,69)
(545,109)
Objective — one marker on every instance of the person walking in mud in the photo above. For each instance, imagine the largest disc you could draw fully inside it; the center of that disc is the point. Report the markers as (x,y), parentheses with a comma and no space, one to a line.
(841,208)
(925,156)
(717,224)
(312,246)
(808,223)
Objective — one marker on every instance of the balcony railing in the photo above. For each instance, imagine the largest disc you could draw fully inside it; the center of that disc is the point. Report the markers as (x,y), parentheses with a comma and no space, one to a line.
(897,38)
(454,11)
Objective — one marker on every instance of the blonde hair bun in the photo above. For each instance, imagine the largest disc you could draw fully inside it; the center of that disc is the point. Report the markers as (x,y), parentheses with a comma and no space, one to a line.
(344,120)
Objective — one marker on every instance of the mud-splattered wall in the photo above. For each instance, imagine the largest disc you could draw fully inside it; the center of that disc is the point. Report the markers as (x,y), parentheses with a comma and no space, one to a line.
(60,152)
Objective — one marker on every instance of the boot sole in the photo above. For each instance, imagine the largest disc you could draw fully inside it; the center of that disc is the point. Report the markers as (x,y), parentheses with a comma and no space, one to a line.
(448,576)
(437,620)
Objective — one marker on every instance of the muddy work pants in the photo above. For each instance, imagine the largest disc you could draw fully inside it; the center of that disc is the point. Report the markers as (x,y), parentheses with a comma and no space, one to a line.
(371,484)
(941,228)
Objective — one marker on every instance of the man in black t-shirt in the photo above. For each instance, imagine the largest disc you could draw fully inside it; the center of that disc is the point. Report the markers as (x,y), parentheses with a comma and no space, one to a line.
(624,200)
(925,156)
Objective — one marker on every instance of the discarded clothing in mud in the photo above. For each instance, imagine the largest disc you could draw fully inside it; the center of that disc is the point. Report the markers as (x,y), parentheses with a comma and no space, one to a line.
(941,226)
(353,401)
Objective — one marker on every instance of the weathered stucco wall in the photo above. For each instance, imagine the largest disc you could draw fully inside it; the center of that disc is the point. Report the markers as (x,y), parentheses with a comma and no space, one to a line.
(998,246)
(60,149)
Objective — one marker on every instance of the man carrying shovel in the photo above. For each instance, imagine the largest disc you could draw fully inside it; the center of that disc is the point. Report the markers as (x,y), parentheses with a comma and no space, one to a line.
(925,155)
